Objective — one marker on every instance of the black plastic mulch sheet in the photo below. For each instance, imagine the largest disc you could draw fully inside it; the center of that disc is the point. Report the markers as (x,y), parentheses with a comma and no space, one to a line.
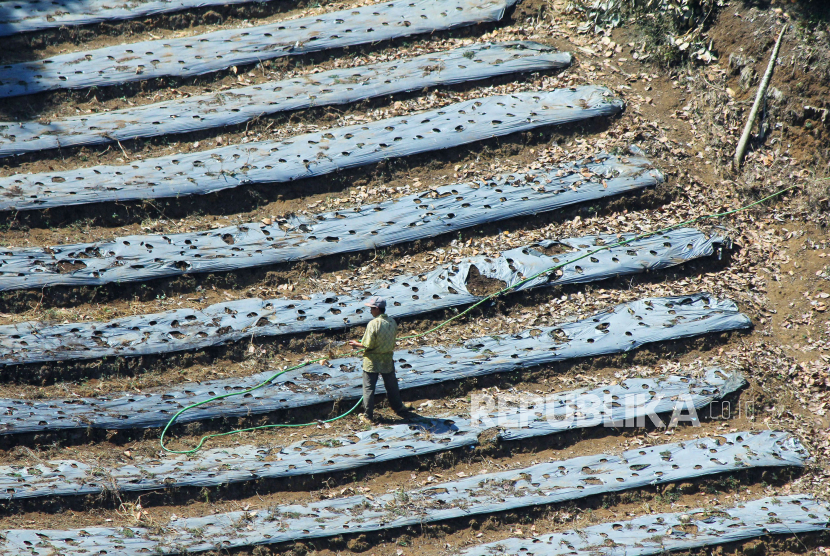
(308,155)
(545,483)
(35,15)
(632,401)
(663,533)
(428,214)
(200,54)
(446,286)
(618,329)
(339,86)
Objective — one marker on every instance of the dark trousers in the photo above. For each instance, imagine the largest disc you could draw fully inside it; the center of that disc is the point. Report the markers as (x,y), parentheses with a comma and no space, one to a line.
(393,394)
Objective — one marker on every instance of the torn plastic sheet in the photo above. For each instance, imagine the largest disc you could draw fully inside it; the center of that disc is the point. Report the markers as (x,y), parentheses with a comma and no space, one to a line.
(428,214)
(545,483)
(304,156)
(663,533)
(200,54)
(339,86)
(37,15)
(185,329)
(612,405)
(618,329)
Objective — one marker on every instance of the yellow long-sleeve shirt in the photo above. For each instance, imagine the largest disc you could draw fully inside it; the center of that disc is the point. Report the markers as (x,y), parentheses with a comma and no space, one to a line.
(379,341)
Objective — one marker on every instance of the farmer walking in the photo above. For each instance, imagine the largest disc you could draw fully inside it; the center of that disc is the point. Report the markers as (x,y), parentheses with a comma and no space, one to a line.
(379,345)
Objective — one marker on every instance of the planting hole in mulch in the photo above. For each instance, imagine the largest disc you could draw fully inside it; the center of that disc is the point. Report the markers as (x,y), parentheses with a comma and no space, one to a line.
(480,285)
(555,249)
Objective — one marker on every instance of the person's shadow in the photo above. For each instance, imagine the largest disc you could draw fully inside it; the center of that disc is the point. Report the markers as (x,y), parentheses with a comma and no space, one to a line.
(415,421)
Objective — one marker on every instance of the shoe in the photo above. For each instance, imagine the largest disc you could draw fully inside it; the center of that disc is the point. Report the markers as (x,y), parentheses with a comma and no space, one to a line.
(405,409)
(365,419)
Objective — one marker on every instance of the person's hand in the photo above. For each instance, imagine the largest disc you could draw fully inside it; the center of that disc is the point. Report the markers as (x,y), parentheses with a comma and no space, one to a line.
(355,343)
